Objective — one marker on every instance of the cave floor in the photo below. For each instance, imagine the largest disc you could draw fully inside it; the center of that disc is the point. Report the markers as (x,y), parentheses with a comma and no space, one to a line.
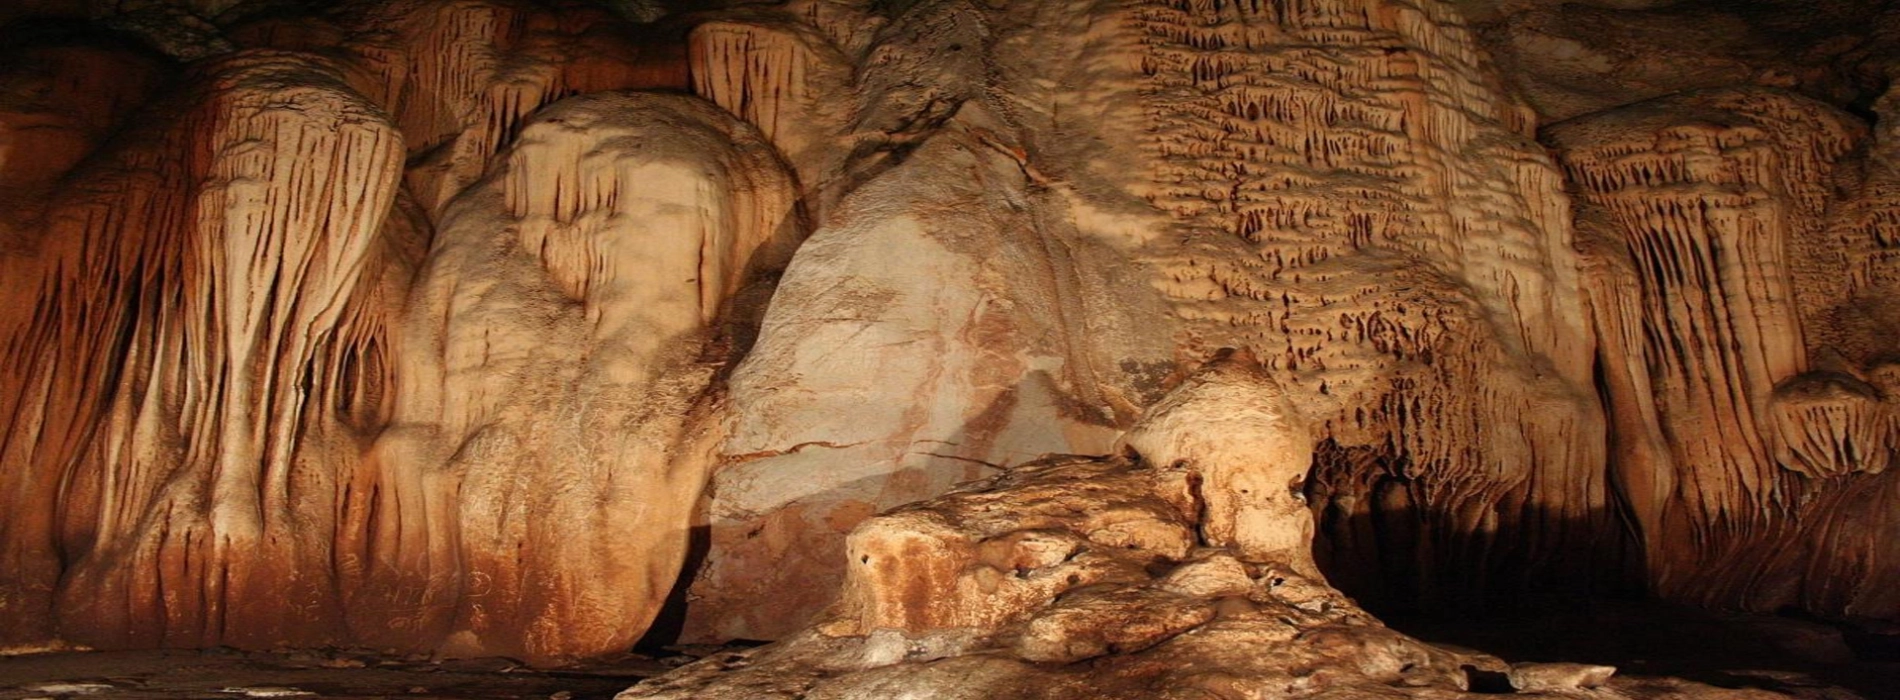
(1652,645)
(226,673)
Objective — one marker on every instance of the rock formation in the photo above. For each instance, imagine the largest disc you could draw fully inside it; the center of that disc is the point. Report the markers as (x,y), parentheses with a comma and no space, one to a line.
(1290,180)
(266,389)
(555,423)
(1175,572)
(509,327)
(1713,247)
(173,366)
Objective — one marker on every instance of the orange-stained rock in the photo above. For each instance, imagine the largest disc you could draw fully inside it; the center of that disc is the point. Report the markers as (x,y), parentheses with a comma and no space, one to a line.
(270,404)
(1721,266)
(460,78)
(180,382)
(398,323)
(981,559)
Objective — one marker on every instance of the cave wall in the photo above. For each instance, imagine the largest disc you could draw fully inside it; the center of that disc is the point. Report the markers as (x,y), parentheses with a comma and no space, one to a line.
(1740,229)
(1291,180)
(411,324)
(267,387)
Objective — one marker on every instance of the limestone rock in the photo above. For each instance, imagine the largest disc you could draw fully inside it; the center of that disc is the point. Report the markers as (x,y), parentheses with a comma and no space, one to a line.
(1231,427)
(1737,388)
(1209,576)
(272,404)
(1830,424)
(981,559)
(1094,622)
(396,323)
(1558,677)
(782,70)
(1006,587)
(557,379)
(1383,236)
(459,78)
(197,349)
(981,335)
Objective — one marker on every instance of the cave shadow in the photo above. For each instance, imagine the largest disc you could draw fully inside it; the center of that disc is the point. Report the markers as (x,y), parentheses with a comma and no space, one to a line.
(1651,639)
(1581,598)
(670,623)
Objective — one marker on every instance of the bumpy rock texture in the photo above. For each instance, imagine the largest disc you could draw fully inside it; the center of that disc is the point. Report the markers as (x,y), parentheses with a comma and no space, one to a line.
(1174,571)
(491,326)
(1171,568)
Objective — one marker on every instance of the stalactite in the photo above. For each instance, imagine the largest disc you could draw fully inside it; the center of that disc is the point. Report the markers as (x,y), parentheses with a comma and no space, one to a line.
(782,75)
(459,78)
(1370,257)
(1714,278)
(285,451)
(403,327)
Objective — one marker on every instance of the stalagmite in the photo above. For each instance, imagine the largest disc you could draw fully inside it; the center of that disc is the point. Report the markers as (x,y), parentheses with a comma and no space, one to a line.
(1249,451)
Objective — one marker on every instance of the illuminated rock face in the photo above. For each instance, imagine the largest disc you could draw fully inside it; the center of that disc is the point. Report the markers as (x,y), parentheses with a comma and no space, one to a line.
(1101,577)
(556,416)
(1340,188)
(407,324)
(267,386)
(1737,253)
(192,355)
